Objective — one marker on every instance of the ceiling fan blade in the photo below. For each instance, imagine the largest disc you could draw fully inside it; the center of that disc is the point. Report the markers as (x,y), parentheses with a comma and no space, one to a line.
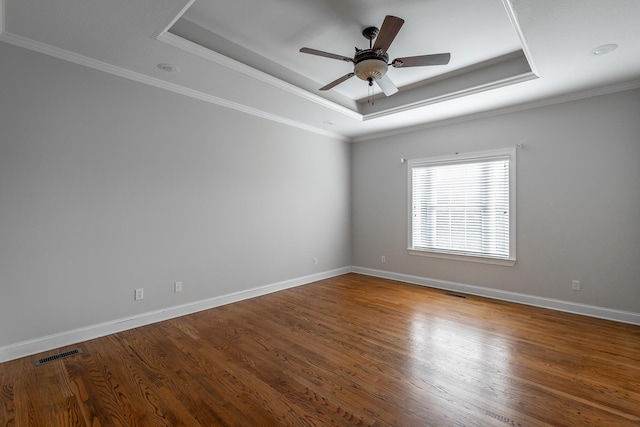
(337,81)
(420,61)
(388,32)
(325,54)
(386,85)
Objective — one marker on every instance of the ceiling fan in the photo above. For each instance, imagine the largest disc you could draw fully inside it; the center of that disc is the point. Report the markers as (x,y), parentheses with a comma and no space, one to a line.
(372,64)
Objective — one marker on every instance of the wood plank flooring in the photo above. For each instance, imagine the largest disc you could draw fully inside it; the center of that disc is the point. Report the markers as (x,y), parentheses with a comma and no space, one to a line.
(347,351)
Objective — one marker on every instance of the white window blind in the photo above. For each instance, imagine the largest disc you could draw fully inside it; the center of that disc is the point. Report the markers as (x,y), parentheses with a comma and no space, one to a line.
(462,205)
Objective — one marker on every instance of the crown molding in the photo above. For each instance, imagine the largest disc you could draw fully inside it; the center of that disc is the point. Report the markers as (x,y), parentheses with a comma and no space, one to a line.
(175,18)
(2,17)
(453,95)
(75,58)
(573,96)
(508,7)
(210,55)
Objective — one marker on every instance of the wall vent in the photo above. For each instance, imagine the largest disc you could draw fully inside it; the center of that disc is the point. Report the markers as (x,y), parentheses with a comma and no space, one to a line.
(58,356)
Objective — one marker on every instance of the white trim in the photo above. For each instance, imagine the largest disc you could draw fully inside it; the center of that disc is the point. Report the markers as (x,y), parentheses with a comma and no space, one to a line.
(210,55)
(509,152)
(174,19)
(152,81)
(121,72)
(2,23)
(553,304)
(561,99)
(38,345)
(466,258)
(516,26)
(525,77)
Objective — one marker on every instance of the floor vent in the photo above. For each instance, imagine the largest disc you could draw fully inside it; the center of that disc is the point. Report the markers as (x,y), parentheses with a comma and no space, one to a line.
(502,418)
(58,356)
(451,294)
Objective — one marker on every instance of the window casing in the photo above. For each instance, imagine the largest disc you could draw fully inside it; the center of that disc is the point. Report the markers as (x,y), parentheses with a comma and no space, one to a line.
(463,207)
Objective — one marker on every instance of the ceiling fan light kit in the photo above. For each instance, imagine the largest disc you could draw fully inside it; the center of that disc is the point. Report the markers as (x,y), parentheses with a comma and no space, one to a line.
(372,64)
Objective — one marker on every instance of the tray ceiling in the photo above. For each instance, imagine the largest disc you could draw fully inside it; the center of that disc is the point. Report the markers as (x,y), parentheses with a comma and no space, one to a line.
(244,54)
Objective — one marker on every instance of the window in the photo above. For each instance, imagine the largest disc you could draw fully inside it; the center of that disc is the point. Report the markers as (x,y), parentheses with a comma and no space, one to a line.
(463,207)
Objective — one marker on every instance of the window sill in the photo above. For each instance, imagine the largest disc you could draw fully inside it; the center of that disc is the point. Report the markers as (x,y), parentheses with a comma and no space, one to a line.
(466,258)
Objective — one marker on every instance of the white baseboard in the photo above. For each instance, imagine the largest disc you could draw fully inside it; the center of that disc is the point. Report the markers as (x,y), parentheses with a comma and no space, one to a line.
(50,342)
(554,304)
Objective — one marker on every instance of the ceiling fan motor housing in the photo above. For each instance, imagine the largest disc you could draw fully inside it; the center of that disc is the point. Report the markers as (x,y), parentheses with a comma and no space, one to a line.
(370,65)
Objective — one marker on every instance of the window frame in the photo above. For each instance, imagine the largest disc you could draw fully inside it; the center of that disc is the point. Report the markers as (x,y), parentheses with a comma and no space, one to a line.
(460,159)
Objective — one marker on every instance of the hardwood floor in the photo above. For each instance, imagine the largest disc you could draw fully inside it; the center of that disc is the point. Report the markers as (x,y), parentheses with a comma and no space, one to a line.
(352,350)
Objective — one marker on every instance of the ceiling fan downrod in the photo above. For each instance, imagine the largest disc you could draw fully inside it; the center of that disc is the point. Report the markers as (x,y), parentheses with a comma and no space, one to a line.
(370,33)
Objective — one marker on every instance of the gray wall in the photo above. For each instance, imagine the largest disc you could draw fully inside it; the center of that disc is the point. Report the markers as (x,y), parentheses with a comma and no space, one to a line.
(578,200)
(107,185)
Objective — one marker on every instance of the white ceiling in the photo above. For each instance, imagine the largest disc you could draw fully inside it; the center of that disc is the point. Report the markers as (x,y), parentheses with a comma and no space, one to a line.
(284,26)
(244,54)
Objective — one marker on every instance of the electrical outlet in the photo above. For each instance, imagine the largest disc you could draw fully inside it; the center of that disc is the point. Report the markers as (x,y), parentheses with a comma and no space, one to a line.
(315,261)
(575,285)
(383,258)
(139,294)
(177,287)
